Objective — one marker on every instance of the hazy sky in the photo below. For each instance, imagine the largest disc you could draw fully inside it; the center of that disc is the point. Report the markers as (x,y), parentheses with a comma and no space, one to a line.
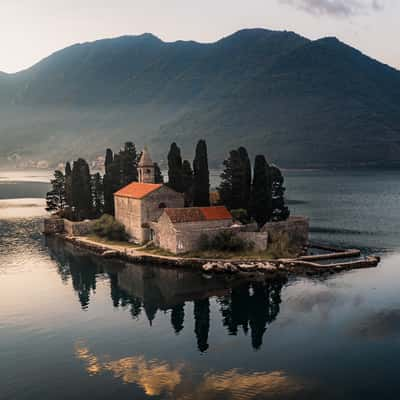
(32,29)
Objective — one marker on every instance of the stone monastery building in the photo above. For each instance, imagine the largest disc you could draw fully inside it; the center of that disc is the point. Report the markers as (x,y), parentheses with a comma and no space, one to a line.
(151,211)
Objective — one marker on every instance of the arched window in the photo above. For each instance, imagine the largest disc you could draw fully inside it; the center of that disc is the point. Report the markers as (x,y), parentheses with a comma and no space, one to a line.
(162,205)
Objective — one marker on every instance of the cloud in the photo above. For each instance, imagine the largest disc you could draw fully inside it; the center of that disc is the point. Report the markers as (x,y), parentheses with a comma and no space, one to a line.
(337,8)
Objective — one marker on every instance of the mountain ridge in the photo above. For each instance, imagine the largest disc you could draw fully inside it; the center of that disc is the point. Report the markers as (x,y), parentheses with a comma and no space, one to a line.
(302,102)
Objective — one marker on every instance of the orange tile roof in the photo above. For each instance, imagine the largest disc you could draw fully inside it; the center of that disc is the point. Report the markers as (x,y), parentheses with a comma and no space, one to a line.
(136,190)
(197,214)
(216,213)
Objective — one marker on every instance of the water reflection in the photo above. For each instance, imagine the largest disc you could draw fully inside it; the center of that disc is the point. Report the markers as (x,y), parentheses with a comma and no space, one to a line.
(249,306)
(157,377)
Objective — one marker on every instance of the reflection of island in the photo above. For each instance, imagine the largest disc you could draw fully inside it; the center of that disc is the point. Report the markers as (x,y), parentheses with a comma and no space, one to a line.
(250,306)
(157,377)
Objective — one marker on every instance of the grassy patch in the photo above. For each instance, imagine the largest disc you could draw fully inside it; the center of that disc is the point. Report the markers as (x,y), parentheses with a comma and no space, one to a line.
(106,241)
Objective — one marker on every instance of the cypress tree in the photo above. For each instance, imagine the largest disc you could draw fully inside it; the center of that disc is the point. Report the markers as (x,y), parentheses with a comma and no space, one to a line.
(158,176)
(246,178)
(175,179)
(279,210)
(234,190)
(187,174)
(109,160)
(129,162)
(230,189)
(81,189)
(107,183)
(55,198)
(97,194)
(261,194)
(68,184)
(201,176)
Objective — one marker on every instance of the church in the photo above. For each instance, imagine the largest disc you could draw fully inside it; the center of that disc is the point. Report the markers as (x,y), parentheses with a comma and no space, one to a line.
(154,212)
(139,203)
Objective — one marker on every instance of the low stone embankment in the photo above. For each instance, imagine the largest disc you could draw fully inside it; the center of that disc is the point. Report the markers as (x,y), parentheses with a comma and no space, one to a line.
(305,265)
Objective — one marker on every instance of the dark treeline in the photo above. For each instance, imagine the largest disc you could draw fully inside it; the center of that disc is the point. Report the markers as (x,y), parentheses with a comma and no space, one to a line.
(251,195)
(193,182)
(77,194)
(257,196)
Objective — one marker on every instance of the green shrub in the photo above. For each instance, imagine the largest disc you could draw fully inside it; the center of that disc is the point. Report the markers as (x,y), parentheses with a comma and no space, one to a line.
(108,227)
(240,215)
(204,242)
(226,241)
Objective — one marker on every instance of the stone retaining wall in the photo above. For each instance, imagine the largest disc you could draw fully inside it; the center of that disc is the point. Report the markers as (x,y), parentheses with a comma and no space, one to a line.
(295,230)
(78,228)
(53,225)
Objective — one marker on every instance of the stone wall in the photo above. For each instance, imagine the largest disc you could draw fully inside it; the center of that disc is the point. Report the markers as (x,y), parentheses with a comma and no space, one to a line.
(259,239)
(128,212)
(53,225)
(295,229)
(136,214)
(155,203)
(78,228)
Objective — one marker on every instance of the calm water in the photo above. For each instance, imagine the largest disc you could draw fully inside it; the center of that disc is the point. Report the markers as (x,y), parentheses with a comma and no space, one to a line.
(75,327)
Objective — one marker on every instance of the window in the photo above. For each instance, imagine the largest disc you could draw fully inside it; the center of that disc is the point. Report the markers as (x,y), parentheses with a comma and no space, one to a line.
(180,245)
(162,205)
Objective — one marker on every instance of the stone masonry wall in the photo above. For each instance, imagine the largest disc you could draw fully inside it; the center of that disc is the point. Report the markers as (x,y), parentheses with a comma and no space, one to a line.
(259,239)
(296,228)
(78,228)
(128,212)
(135,214)
(53,225)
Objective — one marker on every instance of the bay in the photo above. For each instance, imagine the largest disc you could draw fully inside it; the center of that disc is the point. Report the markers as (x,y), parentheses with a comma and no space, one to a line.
(73,326)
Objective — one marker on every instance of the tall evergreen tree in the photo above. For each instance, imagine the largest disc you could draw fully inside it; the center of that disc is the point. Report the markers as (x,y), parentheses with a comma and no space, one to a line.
(108,184)
(55,198)
(81,189)
(261,194)
(187,178)
(109,160)
(246,178)
(68,184)
(97,194)
(230,189)
(234,190)
(280,212)
(113,181)
(201,176)
(129,159)
(158,176)
(175,178)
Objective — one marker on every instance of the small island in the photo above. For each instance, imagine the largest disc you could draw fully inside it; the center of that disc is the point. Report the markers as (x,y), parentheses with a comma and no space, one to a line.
(242,227)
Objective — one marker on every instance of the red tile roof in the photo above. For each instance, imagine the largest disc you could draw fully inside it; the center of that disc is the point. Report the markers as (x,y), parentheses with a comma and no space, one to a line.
(216,213)
(197,214)
(136,190)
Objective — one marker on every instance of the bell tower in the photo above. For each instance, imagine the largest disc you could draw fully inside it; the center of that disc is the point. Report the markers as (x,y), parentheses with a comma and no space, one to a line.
(146,168)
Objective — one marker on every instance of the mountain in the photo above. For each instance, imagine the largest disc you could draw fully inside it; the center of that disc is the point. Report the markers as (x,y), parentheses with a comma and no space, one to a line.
(303,103)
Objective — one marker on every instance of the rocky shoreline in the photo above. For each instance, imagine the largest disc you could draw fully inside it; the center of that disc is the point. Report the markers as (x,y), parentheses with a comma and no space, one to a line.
(301,266)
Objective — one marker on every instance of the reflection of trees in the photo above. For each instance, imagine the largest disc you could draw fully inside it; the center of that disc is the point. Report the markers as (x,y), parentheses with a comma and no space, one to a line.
(178,317)
(251,306)
(84,282)
(247,306)
(80,268)
(121,299)
(202,323)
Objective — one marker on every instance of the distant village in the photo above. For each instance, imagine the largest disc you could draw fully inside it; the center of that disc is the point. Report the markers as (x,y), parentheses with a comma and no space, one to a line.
(131,203)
